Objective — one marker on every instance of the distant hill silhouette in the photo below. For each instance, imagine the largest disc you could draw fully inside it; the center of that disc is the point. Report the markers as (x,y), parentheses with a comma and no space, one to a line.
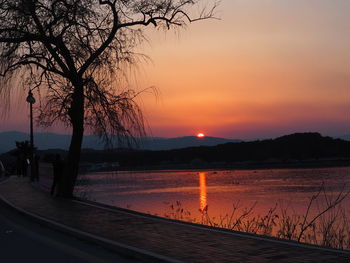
(294,150)
(345,137)
(46,141)
(182,142)
(289,149)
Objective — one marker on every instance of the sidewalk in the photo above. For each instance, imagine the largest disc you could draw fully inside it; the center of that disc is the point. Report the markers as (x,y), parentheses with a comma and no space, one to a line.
(156,239)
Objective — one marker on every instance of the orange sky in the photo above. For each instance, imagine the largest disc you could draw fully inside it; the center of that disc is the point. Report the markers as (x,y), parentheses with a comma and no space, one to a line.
(267,68)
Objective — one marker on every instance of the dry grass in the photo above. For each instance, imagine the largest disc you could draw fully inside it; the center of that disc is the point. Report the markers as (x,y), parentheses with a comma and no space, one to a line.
(325,221)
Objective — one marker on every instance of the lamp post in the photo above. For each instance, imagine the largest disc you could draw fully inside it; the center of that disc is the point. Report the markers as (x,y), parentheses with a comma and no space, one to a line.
(31,100)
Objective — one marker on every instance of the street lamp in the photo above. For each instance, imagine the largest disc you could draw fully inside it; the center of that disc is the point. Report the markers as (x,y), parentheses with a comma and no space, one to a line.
(31,100)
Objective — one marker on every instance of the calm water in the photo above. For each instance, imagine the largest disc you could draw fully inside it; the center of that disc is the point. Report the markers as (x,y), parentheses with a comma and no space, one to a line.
(155,191)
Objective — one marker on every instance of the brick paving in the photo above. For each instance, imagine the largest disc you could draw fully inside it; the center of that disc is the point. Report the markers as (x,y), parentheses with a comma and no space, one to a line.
(179,241)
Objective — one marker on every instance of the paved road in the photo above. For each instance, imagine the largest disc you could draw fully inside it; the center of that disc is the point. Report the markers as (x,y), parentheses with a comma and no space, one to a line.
(22,240)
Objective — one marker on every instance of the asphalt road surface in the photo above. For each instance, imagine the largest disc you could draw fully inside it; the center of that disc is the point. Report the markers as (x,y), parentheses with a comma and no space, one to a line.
(22,240)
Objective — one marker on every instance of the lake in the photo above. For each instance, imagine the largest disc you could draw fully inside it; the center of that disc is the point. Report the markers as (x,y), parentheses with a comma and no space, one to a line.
(217,191)
(295,204)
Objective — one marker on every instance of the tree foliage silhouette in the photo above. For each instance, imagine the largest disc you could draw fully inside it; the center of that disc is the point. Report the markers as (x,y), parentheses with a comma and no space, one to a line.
(72,52)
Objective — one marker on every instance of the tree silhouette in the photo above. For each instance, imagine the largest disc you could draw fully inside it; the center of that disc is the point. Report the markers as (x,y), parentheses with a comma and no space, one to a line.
(72,52)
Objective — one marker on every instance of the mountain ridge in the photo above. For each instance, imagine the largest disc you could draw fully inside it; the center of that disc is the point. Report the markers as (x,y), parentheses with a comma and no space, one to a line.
(309,149)
(47,140)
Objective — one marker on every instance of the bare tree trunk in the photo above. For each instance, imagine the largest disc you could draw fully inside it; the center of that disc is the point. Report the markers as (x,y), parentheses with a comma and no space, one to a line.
(71,170)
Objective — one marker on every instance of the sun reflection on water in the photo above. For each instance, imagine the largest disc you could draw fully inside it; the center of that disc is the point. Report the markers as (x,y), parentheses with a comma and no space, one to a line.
(202,191)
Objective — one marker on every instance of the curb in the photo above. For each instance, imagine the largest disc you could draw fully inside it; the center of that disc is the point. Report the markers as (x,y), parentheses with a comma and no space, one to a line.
(122,249)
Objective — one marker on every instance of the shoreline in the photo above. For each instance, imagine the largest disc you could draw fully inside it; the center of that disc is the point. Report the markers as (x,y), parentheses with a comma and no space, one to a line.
(248,165)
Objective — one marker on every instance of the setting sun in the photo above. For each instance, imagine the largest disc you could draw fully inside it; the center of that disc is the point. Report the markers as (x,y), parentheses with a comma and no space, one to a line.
(200,135)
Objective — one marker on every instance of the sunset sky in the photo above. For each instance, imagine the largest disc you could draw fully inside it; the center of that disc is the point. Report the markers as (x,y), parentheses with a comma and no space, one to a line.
(265,69)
